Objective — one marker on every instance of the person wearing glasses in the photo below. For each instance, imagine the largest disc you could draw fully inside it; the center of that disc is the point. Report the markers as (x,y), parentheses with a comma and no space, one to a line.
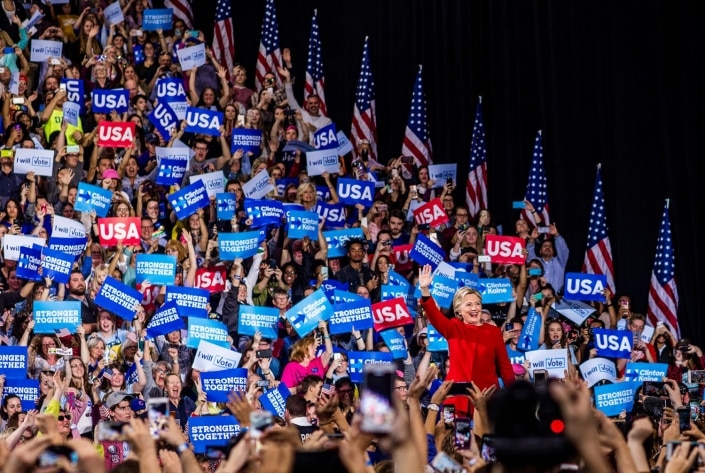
(460,218)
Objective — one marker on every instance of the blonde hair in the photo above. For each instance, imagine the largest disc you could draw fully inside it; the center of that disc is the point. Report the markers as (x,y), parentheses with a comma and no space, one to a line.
(303,188)
(300,349)
(8,40)
(460,296)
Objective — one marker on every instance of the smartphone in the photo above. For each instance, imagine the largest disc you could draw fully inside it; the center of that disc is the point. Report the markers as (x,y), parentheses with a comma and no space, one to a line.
(459,388)
(193,33)
(109,431)
(538,296)
(382,207)
(135,32)
(157,412)
(62,86)
(484,259)
(535,272)
(407,159)
(55,62)
(324,272)
(518,204)
(363,222)
(414,193)
(51,456)
(263,353)
(671,447)
(448,415)
(336,356)
(272,263)
(17,100)
(444,463)
(270,90)
(140,344)
(654,388)
(71,149)
(423,227)
(487,451)
(683,418)
(696,377)
(544,229)
(260,421)
(540,376)
(624,303)
(395,173)
(376,401)
(263,383)
(449,181)
(462,433)
(8,50)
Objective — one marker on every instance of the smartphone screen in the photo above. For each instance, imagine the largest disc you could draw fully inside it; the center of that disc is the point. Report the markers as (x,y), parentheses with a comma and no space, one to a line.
(157,412)
(260,421)
(459,389)
(448,415)
(684,418)
(487,452)
(376,400)
(462,433)
(324,273)
(540,376)
(444,463)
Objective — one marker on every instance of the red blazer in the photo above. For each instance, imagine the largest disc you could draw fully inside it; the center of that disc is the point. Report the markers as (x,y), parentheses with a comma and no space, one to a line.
(477,352)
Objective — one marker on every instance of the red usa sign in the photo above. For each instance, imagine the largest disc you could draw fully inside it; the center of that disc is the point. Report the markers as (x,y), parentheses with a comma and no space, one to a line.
(431,213)
(401,255)
(212,279)
(112,230)
(391,313)
(116,134)
(505,249)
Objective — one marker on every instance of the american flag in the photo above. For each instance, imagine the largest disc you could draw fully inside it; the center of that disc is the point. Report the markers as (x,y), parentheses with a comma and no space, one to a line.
(598,256)
(328,389)
(314,68)
(476,192)
(182,9)
(269,57)
(663,292)
(364,122)
(536,189)
(223,45)
(417,139)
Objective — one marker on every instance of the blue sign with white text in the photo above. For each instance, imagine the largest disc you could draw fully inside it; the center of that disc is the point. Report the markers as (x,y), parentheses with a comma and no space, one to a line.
(170,88)
(248,140)
(443,290)
(333,214)
(159,270)
(239,245)
(326,138)
(116,297)
(90,197)
(584,287)
(203,121)
(212,331)
(425,251)
(264,212)
(641,372)
(71,246)
(56,265)
(358,359)
(211,431)
(496,290)
(613,343)
(226,204)
(530,332)
(305,315)
(218,384)
(612,399)
(336,240)
(165,321)
(395,342)
(191,301)
(154,19)
(29,262)
(107,100)
(436,341)
(171,172)
(13,361)
(51,315)
(26,389)
(302,224)
(189,199)
(357,315)
(274,400)
(164,119)
(252,318)
(353,191)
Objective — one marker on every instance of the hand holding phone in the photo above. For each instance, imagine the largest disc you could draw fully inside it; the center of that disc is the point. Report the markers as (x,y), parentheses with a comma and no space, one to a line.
(376,405)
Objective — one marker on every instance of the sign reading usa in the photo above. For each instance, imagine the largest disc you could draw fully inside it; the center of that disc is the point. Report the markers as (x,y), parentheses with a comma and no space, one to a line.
(116,134)
(107,100)
(613,343)
(171,88)
(390,314)
(113,230)
(505,249)
(585,287)
(326,138)
(164,119)
(201,120)
(352,191)
(431,213)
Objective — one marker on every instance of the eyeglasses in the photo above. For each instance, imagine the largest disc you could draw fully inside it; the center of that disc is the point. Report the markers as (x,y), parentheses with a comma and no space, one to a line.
(290,273)
(64,417)
(159,370)
(342,391)
(401,388)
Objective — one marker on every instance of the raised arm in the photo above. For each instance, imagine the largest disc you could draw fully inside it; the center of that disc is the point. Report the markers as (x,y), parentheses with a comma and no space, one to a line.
(433,313)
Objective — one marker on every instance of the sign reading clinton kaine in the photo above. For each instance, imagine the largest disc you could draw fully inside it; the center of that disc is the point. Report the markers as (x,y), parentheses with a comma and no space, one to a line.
(90,197)
(305,315)
(53,315)
(189,199)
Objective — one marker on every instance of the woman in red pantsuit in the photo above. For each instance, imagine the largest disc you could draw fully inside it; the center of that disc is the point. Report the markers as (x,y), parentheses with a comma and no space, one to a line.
(476,350)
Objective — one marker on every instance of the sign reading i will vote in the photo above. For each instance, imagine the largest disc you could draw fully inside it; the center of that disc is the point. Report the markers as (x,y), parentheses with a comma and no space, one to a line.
(118,298)
(54,315)
(159,270)
(39,161)
(90,197)
(218,384)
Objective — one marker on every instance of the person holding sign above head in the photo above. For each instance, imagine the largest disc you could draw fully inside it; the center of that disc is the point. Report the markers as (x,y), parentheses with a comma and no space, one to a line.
(477,347)
(303,360)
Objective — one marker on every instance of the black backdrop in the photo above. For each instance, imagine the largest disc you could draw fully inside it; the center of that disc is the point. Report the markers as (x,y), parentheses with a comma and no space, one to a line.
(621,83)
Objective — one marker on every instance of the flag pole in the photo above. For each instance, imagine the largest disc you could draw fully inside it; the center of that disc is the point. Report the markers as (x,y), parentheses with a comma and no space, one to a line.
(668,202)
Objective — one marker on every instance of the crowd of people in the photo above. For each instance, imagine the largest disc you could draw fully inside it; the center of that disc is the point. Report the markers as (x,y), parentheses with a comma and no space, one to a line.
(459,362)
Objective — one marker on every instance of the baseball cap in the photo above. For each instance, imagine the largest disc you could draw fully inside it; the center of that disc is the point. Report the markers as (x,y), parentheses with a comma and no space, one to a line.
(151,138)
(116,398)
(138,405)
(110,174)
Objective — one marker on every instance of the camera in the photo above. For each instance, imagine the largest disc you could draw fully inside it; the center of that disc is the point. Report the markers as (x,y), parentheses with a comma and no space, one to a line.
(289,113)
(407,159)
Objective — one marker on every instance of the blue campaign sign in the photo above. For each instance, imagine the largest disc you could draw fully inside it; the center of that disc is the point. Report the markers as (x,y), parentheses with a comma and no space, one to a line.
(530,333)
(301,223)
(397,279)
(333,214)
(323,193)
(336,240)
(281,184)
(166,320)
(218,384)
(436,341)
(72,246)
(264,212)
(107,100)
(29,262)
(395,342)
(353,191)
(326,138)
(248,140)
(211,431)
(343,295)
(390,291)
(26,389)
(467,279)
(118,298)
(443,289)
(203,121)
(164,118)
(171,171)
(349,315)
(641,372)
(56,265)
(53,315)
(170,88)
(154,19)
(75,92)
(584,287)
(212,331)
(613,343)
(252,318)
(189,199)
(192,301)
(226,204)
(296,145)
(13,361)
(426,251)
(612,399)
(159,270)
(496,290)
(358,359)
(274,400)
(90,197)
(239,245)
(305,315)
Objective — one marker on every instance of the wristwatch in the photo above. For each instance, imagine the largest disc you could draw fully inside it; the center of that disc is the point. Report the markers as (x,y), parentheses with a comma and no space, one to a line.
(433,407)
(182,448)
